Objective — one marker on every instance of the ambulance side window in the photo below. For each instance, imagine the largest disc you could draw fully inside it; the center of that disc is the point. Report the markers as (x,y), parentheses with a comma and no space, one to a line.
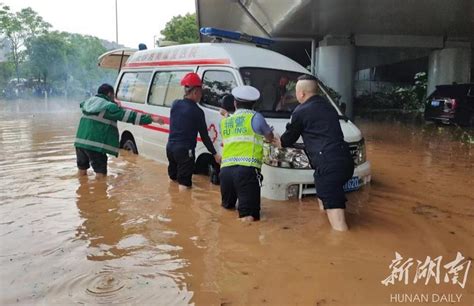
(215,84)
(166,87)
(158,89)
(175,90)
(133,87)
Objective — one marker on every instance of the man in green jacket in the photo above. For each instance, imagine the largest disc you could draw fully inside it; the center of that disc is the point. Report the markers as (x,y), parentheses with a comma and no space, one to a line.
(98,135)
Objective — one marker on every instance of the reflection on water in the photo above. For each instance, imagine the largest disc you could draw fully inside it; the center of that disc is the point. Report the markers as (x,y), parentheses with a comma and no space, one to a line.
(135,239)
(428,131)
(103,225)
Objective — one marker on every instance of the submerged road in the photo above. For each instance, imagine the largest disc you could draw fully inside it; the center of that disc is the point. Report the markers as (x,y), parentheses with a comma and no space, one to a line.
(134,239)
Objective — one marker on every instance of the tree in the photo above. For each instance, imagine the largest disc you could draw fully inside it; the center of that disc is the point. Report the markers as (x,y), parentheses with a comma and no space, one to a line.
(18,28)
(47,56)
(6,72)
(182,29)
(67,60)
(63,61)
(83,61)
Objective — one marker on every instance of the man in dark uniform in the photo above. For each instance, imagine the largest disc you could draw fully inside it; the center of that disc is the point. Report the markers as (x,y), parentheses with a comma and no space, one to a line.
(227,105)
(243,133)
(186,120)
(317,121)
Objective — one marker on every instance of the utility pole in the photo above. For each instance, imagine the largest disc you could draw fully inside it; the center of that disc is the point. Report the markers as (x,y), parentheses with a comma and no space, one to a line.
(116,23)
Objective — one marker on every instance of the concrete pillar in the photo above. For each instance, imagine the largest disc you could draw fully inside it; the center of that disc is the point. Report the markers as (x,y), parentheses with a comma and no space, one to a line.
(448,65)
(335,66)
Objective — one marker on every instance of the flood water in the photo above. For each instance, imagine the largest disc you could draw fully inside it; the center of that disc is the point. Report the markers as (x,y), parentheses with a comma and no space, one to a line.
(134,239)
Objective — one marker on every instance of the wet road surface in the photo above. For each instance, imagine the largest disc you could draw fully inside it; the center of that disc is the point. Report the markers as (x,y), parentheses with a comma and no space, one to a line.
(134,239)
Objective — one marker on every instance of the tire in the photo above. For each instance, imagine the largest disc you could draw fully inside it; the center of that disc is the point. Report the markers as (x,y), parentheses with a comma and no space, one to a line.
(129,145)
(202,164)
(205,165)
(214,173)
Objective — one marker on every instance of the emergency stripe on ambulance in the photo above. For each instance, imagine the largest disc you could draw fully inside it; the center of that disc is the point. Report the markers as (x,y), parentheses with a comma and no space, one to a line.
(210,61)
(166,120)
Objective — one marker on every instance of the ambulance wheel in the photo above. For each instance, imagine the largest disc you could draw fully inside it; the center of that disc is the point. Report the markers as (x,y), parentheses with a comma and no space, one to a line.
(202,164)
(214,173)
(128,144)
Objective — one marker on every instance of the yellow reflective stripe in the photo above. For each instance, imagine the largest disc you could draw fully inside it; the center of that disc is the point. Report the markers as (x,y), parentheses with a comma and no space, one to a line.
(137,119)
(97,144)
(126,115)
(100,119)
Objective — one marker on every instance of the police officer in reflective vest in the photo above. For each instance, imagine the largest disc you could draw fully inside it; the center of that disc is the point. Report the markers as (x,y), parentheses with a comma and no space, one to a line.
(243,134)
(317,121)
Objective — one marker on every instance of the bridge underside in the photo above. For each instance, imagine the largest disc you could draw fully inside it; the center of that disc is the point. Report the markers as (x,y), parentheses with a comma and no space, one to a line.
(323,34)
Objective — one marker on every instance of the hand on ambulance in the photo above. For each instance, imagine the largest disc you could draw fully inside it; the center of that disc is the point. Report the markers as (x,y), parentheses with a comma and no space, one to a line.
(223,112)
(157,119)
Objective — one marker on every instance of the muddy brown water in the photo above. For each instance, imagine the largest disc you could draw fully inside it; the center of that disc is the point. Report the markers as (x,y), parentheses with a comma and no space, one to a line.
(134,239)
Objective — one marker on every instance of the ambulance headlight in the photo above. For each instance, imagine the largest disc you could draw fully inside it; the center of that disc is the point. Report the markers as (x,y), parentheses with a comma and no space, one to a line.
(362,157)
(358,152)
(285,157)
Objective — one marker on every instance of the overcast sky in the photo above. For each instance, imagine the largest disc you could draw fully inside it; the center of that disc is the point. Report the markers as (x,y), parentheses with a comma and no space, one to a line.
(138,20)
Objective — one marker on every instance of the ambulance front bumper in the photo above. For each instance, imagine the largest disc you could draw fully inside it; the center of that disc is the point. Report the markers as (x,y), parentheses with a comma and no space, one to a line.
(284,183)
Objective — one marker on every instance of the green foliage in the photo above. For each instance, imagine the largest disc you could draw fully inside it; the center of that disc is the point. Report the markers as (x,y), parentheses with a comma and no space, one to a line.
(67,61)
(404,98)
(47,56)
(182,29)
(18,28)
(82,62)
(421,82)
(59,62)
(7,70)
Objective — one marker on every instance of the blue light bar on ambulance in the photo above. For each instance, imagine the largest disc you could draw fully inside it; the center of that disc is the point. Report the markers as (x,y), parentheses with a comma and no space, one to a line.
(218,33)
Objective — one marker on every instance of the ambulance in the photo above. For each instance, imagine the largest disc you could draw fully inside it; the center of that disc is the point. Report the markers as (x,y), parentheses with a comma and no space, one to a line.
(149,82)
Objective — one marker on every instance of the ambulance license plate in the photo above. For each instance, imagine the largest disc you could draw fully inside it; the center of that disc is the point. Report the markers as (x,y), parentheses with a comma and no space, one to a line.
(352,184)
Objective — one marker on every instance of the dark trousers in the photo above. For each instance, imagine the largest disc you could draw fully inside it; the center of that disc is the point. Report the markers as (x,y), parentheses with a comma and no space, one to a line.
(181,165)
(86,158)
(241,182)
(330,178)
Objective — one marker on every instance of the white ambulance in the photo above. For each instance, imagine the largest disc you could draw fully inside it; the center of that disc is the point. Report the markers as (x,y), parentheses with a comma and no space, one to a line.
(149,82)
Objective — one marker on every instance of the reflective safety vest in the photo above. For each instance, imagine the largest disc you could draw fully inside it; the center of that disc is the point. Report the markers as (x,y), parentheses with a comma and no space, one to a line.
(242,146)
(98,126)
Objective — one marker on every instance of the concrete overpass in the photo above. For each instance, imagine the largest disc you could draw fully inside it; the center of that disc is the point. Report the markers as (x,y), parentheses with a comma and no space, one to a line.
(344,36)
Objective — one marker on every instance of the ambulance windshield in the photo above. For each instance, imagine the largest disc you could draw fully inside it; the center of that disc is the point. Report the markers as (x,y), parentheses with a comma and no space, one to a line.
(277,89)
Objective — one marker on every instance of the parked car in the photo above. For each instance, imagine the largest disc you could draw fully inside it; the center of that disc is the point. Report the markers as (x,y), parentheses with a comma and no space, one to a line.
(451,104)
